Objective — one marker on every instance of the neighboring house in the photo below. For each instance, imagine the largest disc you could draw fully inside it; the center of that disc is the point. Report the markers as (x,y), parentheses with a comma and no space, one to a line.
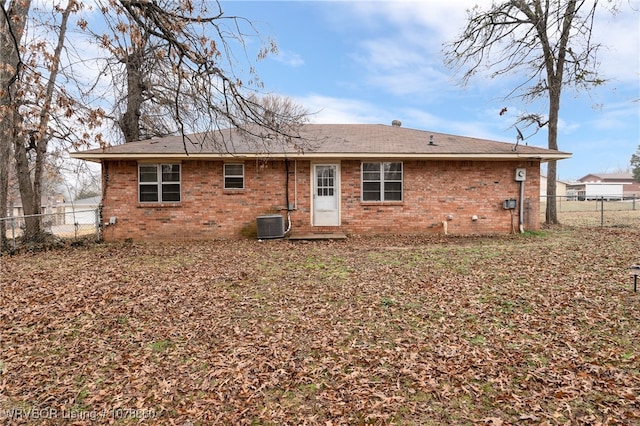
(630,188)
(347,178)
(50,204)
(595,191)
(82,211)
(561,188)
(51,207)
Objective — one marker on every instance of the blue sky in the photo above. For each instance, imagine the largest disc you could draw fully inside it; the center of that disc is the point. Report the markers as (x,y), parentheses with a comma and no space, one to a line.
(376,61)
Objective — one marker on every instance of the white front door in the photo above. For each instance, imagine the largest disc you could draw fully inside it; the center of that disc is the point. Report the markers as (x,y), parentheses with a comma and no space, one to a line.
(326,190)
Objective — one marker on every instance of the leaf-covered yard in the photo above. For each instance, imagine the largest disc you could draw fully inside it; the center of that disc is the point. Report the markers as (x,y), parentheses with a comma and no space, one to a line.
(532,329)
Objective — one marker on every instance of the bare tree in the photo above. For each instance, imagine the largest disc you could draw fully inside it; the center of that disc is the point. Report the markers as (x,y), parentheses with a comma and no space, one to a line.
(13,21)
(35,109)
(38,100)
(176,62)
(548,41)
(281,120)
(635,164)
(77,180)
(140,75)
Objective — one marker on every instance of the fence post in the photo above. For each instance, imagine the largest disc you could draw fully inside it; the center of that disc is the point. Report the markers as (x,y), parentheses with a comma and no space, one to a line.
(602,211)
(13,231)
(559,199)
(97,223)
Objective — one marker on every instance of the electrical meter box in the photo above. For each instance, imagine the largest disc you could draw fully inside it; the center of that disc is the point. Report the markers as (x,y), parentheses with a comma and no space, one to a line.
(521,175)
(509,204)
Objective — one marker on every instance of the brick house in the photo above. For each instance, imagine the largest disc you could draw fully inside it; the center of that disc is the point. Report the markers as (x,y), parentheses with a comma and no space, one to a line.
(346,178)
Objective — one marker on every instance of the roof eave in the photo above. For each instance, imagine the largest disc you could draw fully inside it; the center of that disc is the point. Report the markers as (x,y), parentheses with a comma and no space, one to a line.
(98,157)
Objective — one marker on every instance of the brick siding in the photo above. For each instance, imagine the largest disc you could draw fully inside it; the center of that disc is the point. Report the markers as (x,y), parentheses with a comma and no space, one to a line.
(433,191)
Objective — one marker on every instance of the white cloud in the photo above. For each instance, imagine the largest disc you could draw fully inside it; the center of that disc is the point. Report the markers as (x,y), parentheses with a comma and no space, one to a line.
(414,33)
(332,110)
(424,82)
(289,58)
(568,127)
(620,36)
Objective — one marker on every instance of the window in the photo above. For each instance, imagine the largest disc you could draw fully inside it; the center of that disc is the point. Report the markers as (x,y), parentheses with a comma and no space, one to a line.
(325,185)
(381,181)
(159,183)
(234,176)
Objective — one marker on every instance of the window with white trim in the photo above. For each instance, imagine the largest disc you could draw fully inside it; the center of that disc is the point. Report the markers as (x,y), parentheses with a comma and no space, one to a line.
(159,183)
(233,176)
(382,181)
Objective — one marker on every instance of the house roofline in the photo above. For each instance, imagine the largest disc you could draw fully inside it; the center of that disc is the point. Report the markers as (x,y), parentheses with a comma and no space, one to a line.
(543,157)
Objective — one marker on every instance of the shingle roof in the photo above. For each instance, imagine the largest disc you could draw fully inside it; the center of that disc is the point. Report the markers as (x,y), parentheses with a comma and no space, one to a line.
(609,176)
(90,201)
(322,141)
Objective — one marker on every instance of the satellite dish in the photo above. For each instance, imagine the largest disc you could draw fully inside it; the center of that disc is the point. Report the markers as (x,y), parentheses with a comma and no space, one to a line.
(518,138)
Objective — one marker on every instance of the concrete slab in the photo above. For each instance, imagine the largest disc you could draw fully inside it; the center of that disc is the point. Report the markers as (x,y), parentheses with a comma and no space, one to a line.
(318,236)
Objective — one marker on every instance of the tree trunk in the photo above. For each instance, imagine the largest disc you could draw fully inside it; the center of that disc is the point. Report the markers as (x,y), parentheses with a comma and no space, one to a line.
(5,155)
(12,25)
(554,80)
(30,205)
(130,121)
(5,164)
(551,213)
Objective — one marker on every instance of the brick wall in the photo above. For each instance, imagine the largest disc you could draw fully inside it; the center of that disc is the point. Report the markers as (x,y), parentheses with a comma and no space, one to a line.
(434,191)
(631,189)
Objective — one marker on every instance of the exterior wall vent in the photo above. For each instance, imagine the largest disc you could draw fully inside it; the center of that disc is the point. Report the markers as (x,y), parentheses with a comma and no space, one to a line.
(270,226)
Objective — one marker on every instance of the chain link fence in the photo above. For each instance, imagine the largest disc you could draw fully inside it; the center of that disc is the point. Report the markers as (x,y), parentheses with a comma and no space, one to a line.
(600,211)
(73,224)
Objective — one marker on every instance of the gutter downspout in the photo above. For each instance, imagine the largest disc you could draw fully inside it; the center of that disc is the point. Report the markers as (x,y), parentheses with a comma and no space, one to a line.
(286,190)
(521,220)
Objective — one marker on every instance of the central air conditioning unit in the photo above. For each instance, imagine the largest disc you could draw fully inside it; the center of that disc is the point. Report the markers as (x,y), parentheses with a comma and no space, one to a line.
(270,226)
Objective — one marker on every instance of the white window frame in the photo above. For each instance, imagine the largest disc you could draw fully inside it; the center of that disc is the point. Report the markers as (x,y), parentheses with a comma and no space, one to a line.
(230,176)
(159,183)
(384,178)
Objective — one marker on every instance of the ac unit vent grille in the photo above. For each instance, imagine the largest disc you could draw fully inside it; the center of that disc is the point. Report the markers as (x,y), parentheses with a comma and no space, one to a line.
(270,226)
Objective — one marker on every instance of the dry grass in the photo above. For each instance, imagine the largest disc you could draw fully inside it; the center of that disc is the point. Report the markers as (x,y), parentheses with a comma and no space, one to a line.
(589,214)
(538,328)
(595,206)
